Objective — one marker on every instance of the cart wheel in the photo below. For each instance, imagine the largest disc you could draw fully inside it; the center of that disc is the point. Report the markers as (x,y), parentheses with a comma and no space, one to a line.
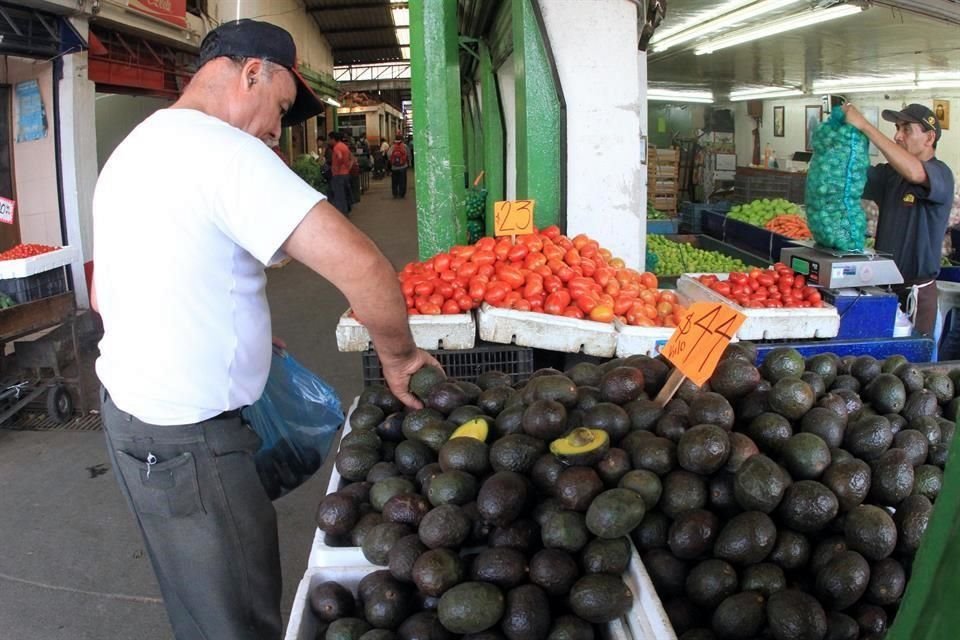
(59,403)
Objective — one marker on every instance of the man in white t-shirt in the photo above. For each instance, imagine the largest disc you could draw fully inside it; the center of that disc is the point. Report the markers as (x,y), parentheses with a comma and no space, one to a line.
(180,285)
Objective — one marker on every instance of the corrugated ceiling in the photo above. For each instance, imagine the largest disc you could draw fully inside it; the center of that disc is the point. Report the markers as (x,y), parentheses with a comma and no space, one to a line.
(359,31)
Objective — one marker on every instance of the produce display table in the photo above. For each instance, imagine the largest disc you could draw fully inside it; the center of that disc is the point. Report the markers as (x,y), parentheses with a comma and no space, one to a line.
(915,349)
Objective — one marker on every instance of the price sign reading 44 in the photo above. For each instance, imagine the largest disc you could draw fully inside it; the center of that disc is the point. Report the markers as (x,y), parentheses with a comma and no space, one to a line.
(700,338)
(513,217)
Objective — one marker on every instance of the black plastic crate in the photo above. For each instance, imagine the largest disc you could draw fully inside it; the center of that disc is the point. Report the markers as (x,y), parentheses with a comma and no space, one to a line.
(39,285)
(465,364)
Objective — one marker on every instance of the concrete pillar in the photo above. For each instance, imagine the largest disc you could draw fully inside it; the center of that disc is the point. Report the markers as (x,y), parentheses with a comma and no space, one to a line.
(78,163)
(606,115)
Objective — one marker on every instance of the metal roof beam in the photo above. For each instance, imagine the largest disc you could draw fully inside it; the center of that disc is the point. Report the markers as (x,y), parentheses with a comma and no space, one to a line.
(386,27)
(359,5)
(388,47)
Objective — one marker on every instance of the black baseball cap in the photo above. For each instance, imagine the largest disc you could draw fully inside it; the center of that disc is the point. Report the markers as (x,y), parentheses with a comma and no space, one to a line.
(915,113)
(254,39)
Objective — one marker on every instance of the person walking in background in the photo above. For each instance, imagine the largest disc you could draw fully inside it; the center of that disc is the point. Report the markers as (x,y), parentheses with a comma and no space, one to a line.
(340,164)
(399,159)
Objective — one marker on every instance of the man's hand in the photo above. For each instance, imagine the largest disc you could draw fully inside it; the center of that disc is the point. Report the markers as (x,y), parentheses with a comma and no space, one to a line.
(397,372)
(854,118)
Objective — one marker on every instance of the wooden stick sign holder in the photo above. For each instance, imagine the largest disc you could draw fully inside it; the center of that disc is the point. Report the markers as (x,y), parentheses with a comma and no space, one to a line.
(697,344)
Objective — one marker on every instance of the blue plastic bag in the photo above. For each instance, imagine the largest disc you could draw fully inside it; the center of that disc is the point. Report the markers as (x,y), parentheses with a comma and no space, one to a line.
(296,417)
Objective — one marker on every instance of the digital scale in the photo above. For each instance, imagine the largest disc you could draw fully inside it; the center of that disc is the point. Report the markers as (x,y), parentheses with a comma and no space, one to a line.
(834,269)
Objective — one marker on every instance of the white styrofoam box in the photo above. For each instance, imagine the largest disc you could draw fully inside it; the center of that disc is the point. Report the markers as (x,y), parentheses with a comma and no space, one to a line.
(429,332)
(767,324)
(640,340)
(37,264)
(646,619)
(544,331)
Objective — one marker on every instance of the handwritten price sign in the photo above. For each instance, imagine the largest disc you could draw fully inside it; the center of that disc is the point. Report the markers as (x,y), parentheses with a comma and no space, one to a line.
(7,208)
(513,217)
(699,340)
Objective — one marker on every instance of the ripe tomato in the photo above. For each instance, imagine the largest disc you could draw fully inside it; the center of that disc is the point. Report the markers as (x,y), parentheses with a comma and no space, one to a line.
(601,313)
(552,232)
(450,307)
(423,288)
(496,292)
(534,260)
(573,312)
(518,252)
(511,275)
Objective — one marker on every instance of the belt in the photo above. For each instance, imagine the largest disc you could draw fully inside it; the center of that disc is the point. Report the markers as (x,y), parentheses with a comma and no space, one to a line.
(227,415)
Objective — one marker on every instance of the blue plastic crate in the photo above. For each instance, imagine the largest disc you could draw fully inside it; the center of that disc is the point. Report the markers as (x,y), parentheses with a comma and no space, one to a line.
(662,227)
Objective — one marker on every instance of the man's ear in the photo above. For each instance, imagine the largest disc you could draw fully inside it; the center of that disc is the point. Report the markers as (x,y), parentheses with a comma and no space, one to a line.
(251,72)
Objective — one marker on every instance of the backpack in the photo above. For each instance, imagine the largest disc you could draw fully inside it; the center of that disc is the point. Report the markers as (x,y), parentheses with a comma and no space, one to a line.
(398,156)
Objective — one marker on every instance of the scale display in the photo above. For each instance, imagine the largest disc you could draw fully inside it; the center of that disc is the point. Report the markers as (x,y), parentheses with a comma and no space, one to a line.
(837,270)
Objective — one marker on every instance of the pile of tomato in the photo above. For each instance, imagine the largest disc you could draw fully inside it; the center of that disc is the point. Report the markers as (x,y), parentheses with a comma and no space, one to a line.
(776,287)
(26,251)
(544,272)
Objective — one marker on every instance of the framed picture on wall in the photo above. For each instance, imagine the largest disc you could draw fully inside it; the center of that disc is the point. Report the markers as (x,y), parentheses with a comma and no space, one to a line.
(778,122)
(811,117)
(941,109)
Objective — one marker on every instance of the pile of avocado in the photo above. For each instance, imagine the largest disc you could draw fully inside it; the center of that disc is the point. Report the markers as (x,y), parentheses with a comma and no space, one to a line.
(784,501)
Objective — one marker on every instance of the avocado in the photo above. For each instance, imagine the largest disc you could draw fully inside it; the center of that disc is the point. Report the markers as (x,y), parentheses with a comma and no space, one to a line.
(493,379)
(464,413)
(614,464)
(522,534)
(492,401)
(887,582)
(509,421)
(337,514)
(816,383)
(711,408)
(871,531)
(835,403)
(464,454)
(869,437)
(544,508)
(387,606)
(554,570)
(938,454)
(791,397)
(426,475)
(600,598)
(347,629)
(452,487)
(853,403)
(672,426)
(381,538)
(385,489)
(710,581)
(655,371)
(424,379)
(502,566)
(920,403)
(423,625)
(760,484)
(682,490)
(846,382)
(753,404)
(412,455)
(652,531)
(545,419)
(929,427)
(840,626)
(824,423)
(614,513)
(806,456)
(644,482)
(403,555)
(445,397)
(633,439)
(574,419)
(734,378)
(769,431)
(606,556)
(914,443)
(794,615)
(471,390)
(741,449)
(747,538)
(681,403)
(435,435)
(807,506)
(668,573)
(941,385)
(621,385)
(658,455)
(526,615)
(444,526)
(849,480)
(471,607)
(365,417)
(354,463)
(871,619)
(865,369)
(418,419)
(382,397)
(721,496)
(570,627)
(742,350)
(587,398)
(766,578)
(545,472)
(584,374)
(361,438)
(886,393)
(576,487)
(782,362)
(692,533)
(331,600)
(892,479)
(565,530)
(643,414)
(911,376)
(825,551)
(437,570)
(928,481)
(739,616)
(609,417)
(703,449)
(555,387)
(791,551)
(379,634)
(843,581)
(824,365)
(391,429)
(381,471)
(502,497)
(517,452)
(684,616)
(364,525)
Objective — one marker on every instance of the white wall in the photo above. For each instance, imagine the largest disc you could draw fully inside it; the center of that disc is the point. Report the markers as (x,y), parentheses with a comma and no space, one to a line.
(948,150)
(506,79)
(117,115)
(605,181)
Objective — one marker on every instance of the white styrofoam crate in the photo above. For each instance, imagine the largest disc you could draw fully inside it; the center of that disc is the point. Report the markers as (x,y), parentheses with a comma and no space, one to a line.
(303,624)
(767,324)
(429,332)
(544,331)
(640,340)
(647,619)
(37,264)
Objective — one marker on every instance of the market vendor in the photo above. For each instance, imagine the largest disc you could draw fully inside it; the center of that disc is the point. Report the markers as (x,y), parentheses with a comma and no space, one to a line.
(180,285)
(914,193)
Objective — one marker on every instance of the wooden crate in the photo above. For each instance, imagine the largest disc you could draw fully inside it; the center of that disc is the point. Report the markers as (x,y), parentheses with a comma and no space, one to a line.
(663,179)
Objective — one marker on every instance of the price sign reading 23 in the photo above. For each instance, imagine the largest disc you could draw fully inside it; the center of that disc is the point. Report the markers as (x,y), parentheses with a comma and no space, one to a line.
(513,217)
(699,340)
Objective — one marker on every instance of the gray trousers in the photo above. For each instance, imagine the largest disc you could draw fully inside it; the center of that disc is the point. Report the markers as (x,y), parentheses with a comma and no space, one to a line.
(340,193)
(208,526)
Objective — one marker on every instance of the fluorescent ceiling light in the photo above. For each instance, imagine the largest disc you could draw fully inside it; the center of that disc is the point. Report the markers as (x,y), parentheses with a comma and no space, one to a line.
(825,86)
(797,21)
(331,101)
(669,95)
(938,84)
(760,93)
(730,14)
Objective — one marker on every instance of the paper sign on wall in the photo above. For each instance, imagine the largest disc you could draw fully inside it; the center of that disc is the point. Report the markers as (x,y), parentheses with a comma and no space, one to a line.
(7,208)
(31,115)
